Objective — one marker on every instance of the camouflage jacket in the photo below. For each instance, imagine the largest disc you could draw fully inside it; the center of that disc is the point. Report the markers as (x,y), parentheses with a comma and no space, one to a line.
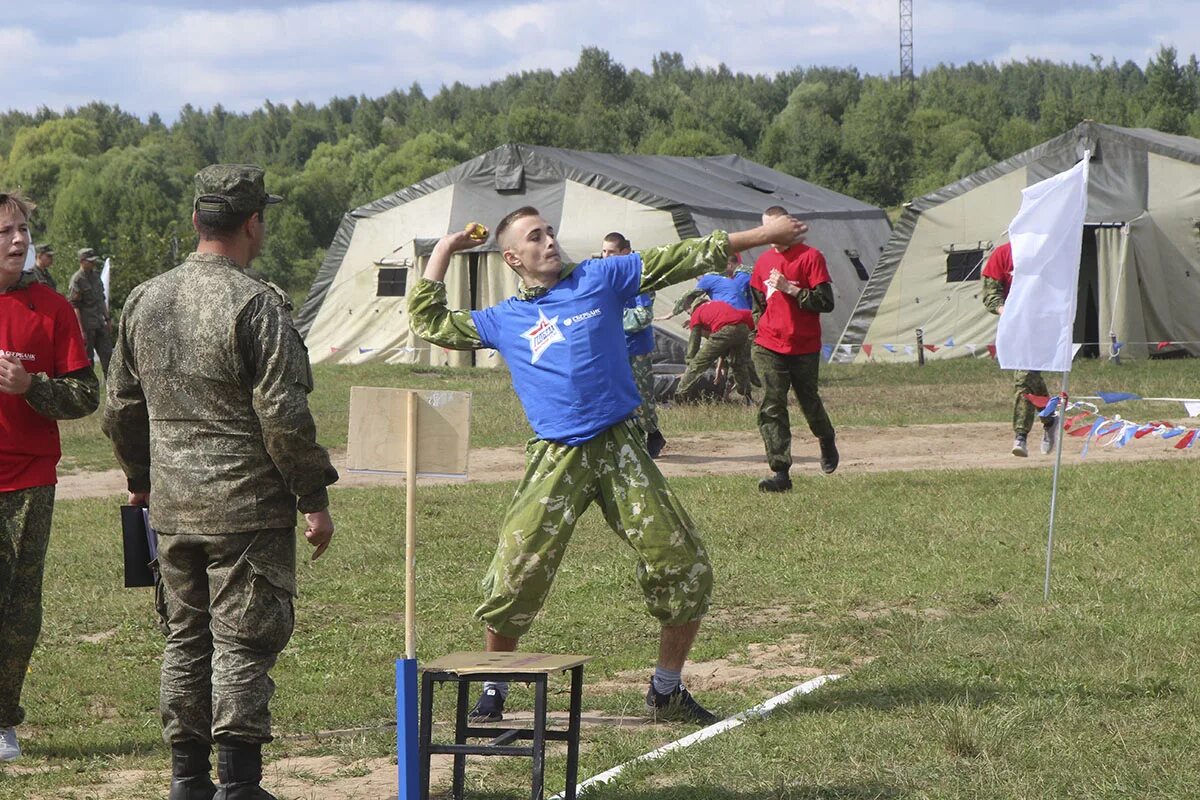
(86,293)
(994,295)
(44,276)
(208,403)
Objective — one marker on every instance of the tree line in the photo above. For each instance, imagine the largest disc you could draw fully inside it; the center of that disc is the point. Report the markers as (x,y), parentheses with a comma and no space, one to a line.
(105,178)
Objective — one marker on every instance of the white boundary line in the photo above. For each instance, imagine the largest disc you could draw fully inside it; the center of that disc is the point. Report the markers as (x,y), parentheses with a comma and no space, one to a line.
(758,711)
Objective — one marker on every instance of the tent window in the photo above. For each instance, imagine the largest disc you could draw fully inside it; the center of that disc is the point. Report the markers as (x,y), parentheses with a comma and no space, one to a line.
(858,265)
(963,265)
(392,282)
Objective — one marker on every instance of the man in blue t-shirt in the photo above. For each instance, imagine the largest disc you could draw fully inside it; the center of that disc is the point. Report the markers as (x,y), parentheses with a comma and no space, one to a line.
(638,321)
(564,342)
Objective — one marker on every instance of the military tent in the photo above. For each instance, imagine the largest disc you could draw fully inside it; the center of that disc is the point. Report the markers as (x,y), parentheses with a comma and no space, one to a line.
(356,310)
(1139,282)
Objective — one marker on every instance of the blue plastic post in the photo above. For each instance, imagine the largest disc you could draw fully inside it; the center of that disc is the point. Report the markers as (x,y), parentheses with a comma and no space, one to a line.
(407,738)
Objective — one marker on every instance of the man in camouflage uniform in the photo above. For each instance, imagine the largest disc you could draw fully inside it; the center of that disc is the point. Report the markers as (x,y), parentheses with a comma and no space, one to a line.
(45,376)
(563,339)
(41,266)
(207,404)
(997,281)
(718,331)
(86,293)
(638,322)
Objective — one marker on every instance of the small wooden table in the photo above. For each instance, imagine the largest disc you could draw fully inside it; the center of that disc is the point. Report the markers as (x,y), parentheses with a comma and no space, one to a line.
(464,669)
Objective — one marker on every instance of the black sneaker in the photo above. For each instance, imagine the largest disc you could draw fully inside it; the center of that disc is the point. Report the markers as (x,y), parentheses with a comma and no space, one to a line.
(655,442)
(488,708)
(779,482)
(678,706)
(829,455)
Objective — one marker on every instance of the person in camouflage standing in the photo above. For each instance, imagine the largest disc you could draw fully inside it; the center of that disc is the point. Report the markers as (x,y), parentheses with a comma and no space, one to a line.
(86,293)
(45,376)
(563,339)
(997,280)
(43,261)
(639,337)
(208,407)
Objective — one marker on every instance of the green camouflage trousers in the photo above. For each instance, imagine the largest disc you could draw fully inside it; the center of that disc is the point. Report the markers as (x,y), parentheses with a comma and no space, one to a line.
(1030,382)
(24,536)
(643,376)
(99,345)
(779,374)
(229,614)
(731,343)
(560,482)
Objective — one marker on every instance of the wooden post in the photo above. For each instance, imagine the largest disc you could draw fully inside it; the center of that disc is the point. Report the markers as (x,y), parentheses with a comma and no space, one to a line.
(920,347)
(410,531)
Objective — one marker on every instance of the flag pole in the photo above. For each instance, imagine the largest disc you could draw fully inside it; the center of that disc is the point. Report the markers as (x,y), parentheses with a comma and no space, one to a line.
(1059,434)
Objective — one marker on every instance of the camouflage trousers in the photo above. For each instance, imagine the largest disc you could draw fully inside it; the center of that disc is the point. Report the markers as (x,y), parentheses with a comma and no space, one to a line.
(561,481)
(731,343)
(24,536)
(643,376)
(1030,382)
(228,614)
(780,374)
(99,345)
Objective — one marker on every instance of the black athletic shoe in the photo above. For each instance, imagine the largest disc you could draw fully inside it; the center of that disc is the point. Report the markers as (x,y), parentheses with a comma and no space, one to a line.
(779,482)
(488,708)
(829,455)
(678,706)
(655,442)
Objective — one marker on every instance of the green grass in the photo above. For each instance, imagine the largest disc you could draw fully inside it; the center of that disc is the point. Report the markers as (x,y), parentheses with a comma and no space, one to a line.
(961,390)
(924,588)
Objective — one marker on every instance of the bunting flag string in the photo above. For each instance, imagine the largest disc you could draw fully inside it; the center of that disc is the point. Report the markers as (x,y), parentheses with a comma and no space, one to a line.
(1114,431)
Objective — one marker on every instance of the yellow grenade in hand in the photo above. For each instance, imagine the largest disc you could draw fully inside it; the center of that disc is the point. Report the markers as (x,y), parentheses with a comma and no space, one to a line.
(476,231)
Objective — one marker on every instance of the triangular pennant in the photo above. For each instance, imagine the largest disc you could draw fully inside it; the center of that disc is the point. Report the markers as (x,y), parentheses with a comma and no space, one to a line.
(1162,345)
(992,350)
(950,342)
(933,348)
(1038,400)
(1051,406)
(1171,434)
(1117,397)
(1186,441)
(891,348)
(908,350)
(970,348)
(866,348)
(1091,433)
(1192,407)
(1069,425)
(365,350)
(826,352)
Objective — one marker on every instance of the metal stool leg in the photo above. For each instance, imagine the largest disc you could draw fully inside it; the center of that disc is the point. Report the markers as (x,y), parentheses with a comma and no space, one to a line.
(573,732)
(539,737)
(426,732)
(460,736)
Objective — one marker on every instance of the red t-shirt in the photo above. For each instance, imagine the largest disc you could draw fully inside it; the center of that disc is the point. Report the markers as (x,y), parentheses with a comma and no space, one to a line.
(999,266)
(716,314)
(784,326)
(38,326)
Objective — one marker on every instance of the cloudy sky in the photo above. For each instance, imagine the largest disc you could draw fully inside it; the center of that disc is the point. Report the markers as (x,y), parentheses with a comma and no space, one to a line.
(148,56)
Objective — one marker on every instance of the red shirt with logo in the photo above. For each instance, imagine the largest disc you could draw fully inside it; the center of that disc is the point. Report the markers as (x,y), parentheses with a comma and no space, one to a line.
(39,327)
(784,326)
(999,266)
(716,314)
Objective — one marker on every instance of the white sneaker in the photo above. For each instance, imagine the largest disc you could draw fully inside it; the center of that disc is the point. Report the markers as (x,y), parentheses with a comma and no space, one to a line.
(9,749)
(1020,448)
(1048,436)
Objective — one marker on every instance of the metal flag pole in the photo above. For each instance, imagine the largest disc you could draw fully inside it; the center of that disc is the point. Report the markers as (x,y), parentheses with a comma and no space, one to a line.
(1059,414)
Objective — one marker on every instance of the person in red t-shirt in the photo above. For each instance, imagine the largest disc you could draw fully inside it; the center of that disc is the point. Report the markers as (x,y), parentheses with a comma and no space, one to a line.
(726,333)
(45,375)
(997,280)
(790,288)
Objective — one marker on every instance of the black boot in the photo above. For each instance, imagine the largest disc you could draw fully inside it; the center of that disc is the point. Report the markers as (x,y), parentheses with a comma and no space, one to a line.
(240,769)
(829,455)
(189,772)
(779,482)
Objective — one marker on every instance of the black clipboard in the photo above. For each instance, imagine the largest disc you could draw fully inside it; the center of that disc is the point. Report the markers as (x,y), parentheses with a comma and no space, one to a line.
(140,546)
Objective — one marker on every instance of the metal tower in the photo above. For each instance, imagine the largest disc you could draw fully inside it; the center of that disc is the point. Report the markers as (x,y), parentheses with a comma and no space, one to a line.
(906,49)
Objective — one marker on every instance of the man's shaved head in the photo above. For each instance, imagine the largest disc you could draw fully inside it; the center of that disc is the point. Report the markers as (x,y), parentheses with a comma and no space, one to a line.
(506,223)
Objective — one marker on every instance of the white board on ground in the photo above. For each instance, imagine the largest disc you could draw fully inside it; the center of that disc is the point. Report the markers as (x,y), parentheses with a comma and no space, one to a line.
(378,442)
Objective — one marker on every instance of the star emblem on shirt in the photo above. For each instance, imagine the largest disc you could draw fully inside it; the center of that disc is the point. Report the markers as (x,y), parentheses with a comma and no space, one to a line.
(543,334)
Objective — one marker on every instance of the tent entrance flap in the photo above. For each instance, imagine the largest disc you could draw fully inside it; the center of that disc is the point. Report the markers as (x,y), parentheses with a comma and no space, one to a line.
(1087,308)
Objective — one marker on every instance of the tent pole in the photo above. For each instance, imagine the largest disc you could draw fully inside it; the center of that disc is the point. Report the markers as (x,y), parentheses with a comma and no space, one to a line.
(1059,414)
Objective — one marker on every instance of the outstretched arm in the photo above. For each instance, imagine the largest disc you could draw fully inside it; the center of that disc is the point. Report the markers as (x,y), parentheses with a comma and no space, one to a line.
(427,312)
(669,264)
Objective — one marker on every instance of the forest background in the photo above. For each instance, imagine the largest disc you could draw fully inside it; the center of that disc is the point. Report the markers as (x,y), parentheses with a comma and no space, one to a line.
(105,178)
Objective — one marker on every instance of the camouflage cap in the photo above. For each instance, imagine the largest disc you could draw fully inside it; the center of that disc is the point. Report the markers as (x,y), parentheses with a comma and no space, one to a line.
(88,254)
(232,188)
(47,249)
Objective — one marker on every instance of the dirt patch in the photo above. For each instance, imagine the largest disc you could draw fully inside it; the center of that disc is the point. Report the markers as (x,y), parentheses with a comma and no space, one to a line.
(973,445)
(97,638)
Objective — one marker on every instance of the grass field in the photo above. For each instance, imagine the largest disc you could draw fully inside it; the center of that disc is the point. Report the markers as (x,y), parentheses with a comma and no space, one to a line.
(962,390)
(923,589)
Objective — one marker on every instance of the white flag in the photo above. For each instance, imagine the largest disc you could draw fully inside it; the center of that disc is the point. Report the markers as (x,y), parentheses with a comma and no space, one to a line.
(1193,408)
(105,277)
(1047,237)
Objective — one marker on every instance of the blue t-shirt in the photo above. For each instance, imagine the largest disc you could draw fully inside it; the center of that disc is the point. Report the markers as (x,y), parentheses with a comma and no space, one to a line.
(642,342)
(566,350)
(735,290)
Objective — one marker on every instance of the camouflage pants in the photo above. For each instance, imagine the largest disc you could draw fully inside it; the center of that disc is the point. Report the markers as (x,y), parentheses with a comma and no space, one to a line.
(99,344)
(643,376)
(560,482)
(731,343)
(780,374)
(1030,382)
(24,536)
(229,614)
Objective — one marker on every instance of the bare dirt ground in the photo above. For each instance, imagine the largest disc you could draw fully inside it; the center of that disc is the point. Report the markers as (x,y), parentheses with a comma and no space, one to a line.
(978,445)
